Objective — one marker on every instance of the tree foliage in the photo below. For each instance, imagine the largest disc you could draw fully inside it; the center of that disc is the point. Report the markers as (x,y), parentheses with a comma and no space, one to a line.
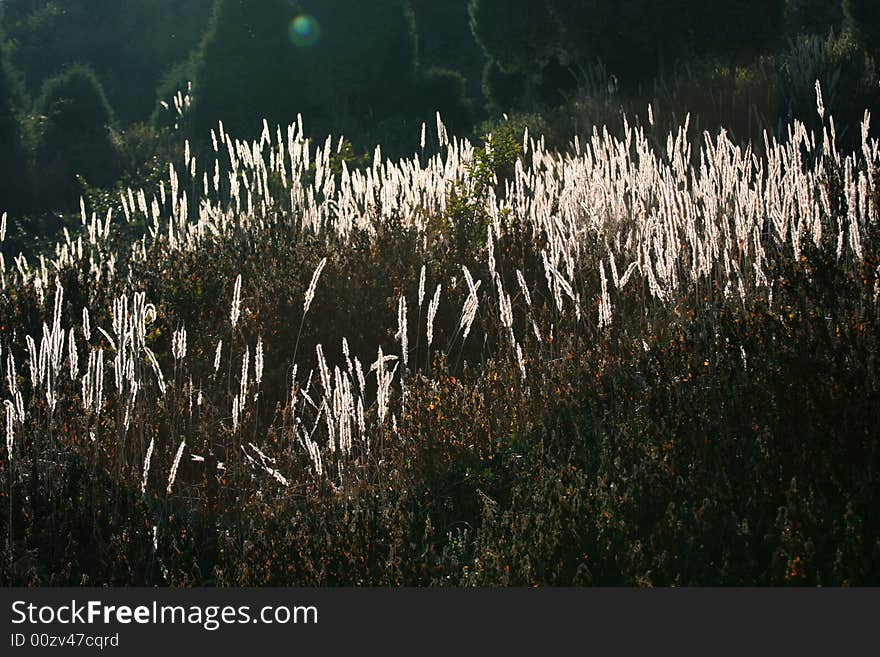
(520,35)
(863,19)
(76,136)
(503,91)
(813,16)
(442,90)
(358,63)
(244,71)
(128,43)
(634,38)
(12,153)
(374,70)
(365,62)
(446,40)
(735,30)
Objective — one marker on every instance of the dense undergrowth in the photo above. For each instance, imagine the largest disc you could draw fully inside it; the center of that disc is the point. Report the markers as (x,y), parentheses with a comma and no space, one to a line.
(720,427)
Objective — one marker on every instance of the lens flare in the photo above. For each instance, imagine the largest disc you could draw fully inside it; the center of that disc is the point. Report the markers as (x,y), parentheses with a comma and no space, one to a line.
(304,31)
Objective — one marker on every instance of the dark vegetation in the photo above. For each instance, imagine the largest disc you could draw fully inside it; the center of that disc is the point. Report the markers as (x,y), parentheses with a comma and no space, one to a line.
(375,71)
(655,454)
(708,440)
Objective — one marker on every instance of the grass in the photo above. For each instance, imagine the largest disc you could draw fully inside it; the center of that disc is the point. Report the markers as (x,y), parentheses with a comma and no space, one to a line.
(711,420)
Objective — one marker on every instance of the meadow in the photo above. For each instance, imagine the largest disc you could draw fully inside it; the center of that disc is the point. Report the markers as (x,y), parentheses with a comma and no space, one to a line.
(648,358)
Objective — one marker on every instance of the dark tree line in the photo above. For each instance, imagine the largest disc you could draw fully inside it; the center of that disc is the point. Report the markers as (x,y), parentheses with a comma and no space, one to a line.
(361,70)
(637,40)
(130,44)
(370,70)
(75,139)
(12,151)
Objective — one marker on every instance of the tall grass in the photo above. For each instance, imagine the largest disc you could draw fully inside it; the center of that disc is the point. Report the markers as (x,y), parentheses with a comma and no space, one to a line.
(646,338)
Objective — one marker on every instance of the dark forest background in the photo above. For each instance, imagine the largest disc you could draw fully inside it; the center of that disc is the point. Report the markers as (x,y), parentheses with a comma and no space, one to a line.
(97,94)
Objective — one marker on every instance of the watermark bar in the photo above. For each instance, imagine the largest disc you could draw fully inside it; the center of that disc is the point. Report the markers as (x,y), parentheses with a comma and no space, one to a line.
(140,621)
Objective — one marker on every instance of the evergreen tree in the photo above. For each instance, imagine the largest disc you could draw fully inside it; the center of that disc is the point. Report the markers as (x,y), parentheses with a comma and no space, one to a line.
(504,92)
(520,38)
(129,44)
(558,82)
(76,138)
(244,71)
(635,39)
(364,65)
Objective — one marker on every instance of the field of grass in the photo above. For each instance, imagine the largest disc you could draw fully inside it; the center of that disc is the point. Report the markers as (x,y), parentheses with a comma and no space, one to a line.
(649,359)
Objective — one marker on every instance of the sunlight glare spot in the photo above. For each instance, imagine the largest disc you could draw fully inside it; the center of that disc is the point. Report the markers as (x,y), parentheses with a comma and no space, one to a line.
(304,31)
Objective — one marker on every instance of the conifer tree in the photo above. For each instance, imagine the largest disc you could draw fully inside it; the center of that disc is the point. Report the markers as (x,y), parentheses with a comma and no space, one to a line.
(635,39)
(444,91)
(129,44)
(446,40)
(244,71)
(76,138)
